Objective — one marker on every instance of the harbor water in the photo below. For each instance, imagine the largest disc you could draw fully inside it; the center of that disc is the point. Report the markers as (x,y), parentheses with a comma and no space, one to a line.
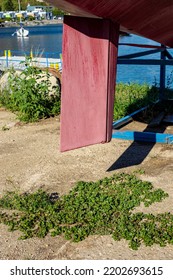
(46,41)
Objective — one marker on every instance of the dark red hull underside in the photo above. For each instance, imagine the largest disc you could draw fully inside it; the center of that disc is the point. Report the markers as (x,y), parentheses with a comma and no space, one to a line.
(149,18)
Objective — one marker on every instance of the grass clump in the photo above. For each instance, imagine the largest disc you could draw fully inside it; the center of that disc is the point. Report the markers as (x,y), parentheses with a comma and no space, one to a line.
(29,97)
(131,97)
(32,101)
(102,207)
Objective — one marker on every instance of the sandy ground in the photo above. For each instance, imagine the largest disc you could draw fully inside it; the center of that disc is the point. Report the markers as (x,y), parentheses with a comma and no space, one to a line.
(30,159)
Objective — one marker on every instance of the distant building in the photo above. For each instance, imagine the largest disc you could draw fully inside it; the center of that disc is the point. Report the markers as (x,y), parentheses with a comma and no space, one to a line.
(1,15)
(10,15)
(38,8)
(21,14)
(40,11)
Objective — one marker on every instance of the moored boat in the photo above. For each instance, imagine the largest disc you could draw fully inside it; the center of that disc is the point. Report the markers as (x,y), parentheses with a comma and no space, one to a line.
(22,32)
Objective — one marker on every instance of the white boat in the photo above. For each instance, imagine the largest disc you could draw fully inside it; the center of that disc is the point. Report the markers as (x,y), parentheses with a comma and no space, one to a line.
(22,32)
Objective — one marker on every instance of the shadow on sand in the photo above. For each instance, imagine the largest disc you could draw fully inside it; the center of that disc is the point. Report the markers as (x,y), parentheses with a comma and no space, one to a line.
(136,152)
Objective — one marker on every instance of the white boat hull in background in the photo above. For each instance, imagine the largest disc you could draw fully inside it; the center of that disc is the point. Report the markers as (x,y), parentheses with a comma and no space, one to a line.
(22,32)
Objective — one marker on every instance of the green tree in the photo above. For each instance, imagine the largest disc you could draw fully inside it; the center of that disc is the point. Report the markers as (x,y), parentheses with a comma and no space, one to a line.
(8,5)
(12,5)
(57,12)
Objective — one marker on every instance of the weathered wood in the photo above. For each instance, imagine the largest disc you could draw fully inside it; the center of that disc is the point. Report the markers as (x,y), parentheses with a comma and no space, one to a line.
(88,81)
(157,120)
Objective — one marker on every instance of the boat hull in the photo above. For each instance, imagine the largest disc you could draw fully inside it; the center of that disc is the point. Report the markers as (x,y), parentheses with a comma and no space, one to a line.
(152,19)
(22,32)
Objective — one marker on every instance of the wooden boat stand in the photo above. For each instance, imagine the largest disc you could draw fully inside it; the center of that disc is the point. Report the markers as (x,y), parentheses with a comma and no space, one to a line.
(134,59)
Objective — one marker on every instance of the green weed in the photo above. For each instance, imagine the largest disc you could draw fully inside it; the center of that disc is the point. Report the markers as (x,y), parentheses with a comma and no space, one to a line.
(102,207)
(31,99)
(131,97)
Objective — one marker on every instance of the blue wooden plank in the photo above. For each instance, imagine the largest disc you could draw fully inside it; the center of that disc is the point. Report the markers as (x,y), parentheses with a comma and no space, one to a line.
(127,118)
(144,136)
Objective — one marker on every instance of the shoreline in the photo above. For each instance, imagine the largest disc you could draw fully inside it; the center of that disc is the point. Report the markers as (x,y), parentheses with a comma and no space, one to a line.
(32,23)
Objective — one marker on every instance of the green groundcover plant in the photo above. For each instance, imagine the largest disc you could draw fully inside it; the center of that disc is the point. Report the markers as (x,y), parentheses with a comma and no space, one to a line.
(133,96)
(104,207)
(29,97)
(32,100)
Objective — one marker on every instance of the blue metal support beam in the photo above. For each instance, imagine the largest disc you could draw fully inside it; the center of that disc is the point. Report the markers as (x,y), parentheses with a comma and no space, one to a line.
(139,54)
(162,73)
(146,46)
(150,137)
(127,118)
(168,55)
(145,61)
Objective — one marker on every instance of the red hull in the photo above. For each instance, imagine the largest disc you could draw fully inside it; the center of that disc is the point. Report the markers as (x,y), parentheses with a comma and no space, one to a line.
(88,81)
(149,18)
(89,60)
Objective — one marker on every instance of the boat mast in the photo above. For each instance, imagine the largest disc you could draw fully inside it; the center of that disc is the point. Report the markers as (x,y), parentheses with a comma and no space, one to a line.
(19,5)
(19,12)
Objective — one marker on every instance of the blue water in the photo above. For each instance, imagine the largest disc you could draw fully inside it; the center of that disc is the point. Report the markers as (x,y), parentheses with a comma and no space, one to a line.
(47,40)
(149,74)
(137,73)
(43,40)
